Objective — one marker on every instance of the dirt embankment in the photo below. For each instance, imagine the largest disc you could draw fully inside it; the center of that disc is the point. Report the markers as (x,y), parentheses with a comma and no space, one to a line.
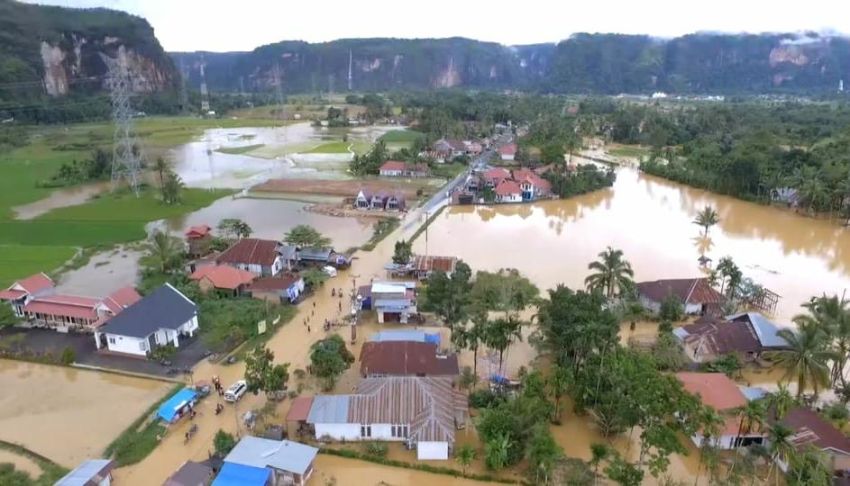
(346,211)
(405,188)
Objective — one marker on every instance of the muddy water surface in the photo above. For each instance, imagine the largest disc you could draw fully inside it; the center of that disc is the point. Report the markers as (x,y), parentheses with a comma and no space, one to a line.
(650,219)
(21,463)
(67,414)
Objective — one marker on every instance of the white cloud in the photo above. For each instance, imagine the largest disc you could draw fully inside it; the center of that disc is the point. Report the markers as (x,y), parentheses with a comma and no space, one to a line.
(219,25)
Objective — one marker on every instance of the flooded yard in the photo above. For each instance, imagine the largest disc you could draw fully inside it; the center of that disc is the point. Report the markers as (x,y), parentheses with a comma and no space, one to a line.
(66,414)
(650,219)
(20,462)
(106,271)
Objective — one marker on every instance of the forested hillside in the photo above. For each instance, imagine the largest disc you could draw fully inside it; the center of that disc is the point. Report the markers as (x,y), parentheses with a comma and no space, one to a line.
(583,63)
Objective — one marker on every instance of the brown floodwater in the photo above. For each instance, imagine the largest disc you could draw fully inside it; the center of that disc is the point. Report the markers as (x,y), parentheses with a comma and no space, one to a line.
(68,414)
(272,218)
(60,198)
(650,219)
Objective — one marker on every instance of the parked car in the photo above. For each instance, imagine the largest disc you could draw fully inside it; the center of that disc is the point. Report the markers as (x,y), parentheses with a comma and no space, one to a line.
(235,392)
(330,271)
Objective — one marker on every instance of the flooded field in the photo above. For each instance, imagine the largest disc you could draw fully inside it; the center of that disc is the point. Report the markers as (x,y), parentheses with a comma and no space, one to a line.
(272,218)
(269,153)
(650,219)
(61,198)
(69,415)
(105,272)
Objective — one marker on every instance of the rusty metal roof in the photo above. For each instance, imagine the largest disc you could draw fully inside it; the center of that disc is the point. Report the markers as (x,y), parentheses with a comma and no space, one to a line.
(400,358)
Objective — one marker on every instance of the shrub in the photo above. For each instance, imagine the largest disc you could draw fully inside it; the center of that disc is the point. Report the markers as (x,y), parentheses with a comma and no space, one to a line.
(68,356)
(484,399)
(376,449)
(223,442)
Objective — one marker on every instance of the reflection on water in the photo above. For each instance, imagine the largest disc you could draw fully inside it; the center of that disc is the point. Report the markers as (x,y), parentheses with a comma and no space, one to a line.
(650,219)
(272,218)
(66,414)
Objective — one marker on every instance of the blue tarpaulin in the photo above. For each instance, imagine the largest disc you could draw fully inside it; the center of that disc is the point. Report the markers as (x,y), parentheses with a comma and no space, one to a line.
(232,474)
(168,410)
(432,338)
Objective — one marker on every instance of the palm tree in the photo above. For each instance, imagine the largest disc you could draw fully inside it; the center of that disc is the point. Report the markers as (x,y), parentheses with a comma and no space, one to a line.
(612,273)
(724,267)
(500,333)
(707,218)
(160,166)
(558,383)
(832,315)
(752,419)
(806,357)
(164,251)
(464,455)
(780,401)
(710,422)
(779,438)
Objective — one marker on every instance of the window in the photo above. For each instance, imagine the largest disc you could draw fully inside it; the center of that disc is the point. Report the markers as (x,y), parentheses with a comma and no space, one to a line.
(142,346)
(395,432)
(111,340)
(365,431)
(404,431)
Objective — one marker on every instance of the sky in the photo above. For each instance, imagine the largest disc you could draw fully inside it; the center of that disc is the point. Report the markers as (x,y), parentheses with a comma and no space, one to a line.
(240,25)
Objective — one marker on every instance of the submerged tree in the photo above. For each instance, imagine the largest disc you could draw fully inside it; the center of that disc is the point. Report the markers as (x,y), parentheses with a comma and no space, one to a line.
(261,374)
(172,188)
(611,273)
(234,228)
(306,236)
(403,252)
(164,252)
(707,218)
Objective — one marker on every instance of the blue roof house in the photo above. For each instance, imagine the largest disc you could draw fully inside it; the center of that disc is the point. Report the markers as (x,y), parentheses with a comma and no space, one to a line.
(259,462)
(177,406)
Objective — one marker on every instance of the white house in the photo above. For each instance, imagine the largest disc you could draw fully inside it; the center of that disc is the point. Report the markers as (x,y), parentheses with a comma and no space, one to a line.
(394,301)
(162,317)
(287,462)
(261,257)
(423,412)
(508,191)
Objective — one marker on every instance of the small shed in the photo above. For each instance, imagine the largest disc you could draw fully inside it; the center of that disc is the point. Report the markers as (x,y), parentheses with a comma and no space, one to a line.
(176,406)
(298,413)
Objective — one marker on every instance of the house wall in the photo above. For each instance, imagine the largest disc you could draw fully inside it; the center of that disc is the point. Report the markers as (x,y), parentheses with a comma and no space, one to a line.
(338,431)
(391,173)
(511,198)
(724,442)
(693,309)
(507,156)
(649,304)
(127,344)
(432,451)
(267,295)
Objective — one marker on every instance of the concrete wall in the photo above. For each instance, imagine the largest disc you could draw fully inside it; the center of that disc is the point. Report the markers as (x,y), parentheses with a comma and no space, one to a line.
(338,431)
(127,344)
(432,451)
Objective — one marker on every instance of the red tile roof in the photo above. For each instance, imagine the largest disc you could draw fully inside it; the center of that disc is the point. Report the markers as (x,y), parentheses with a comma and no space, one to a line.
(405,358)
(274,283)
(496,173)
(223,277)
(65,305)
(392,165)
(431,406)
(508,188)
(11,294)
(688,290)
(714,389)
(250,251)
(121,299)
(199,231)
(300,409)
(30,285)
(810,429)
(509,149)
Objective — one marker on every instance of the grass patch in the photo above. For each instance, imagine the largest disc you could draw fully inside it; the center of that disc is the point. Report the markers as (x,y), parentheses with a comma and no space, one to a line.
(50,471)
(17,261)
(628,151)
(339,147)
(351,454)
(448,171)
(240,150)
(382,228)
(401,136)
(428,222)
(139,439)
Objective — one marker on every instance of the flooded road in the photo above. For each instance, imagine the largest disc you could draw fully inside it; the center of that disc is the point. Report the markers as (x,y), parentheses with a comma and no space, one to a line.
(650,219)
(272,218)
(67,414)
(270,153)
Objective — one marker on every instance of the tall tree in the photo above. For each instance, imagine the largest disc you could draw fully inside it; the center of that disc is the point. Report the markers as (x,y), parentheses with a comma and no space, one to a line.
(707,218)
(500,333)
(611,273)
(449,295)
(780,448)
(172,188)
(780,401)
(329,358)
(161,167)
(807,357)
(402,253)
(306,236)
(832,316)
(558,384)
(598,453)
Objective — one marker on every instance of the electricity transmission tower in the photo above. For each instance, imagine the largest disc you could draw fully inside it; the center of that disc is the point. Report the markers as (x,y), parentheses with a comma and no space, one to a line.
(126,154)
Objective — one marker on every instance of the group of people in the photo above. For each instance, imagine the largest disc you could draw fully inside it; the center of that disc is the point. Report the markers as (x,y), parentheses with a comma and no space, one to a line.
(327,323)
(219,389)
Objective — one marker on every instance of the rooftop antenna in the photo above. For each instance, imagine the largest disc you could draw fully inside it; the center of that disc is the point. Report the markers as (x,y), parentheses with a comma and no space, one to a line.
(205,95)
(126,154)
(350,79)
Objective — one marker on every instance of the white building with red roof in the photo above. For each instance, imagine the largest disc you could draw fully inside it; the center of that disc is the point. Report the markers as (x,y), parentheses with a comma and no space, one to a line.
(508,191)
(21,292)
(508,152)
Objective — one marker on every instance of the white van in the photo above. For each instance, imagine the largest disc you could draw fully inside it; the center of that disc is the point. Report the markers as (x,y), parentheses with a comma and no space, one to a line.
(235,392)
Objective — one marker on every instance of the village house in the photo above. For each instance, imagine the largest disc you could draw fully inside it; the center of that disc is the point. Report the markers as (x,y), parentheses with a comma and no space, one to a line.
(280,289)
(495,176)
(363,200)
(422,412)
(191,474)
(198,240)
(260,257)
(396,202)
(390,335)
(94,472)
(810,430)
(224,278)
(21,292)
(695,294)
(393,301)
(508,152)
(422,266)
(718,391)
(405,358)
(322,256)
(508,191)
(160,318)
(449,149)
(263,462)
(533,186)
(395,168)
(747,336)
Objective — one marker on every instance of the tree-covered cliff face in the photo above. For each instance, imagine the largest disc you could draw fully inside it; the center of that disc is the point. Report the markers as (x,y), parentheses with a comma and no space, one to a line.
(54,51)
(584,63)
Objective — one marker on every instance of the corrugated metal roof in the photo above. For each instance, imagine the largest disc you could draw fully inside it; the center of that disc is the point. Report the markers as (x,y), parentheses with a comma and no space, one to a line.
(284,455)
(400,335)
(329,409)
(390,288)
(767,331)
(86,472)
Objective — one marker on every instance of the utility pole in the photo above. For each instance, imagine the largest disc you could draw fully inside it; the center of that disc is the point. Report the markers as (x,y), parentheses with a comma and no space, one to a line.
(126,153)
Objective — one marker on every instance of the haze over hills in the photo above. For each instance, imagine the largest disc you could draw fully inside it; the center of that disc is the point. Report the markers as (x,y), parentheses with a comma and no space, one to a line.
(54,52)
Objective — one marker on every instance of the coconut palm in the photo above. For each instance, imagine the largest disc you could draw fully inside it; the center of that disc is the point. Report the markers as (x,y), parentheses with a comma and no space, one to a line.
(780,401)
(781,449)
(164,251)
(807,357)
(832,315)
(707,218)
(160,166)
(612,273)
(725,267)
(500,333)
(710,423)
(751,419)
